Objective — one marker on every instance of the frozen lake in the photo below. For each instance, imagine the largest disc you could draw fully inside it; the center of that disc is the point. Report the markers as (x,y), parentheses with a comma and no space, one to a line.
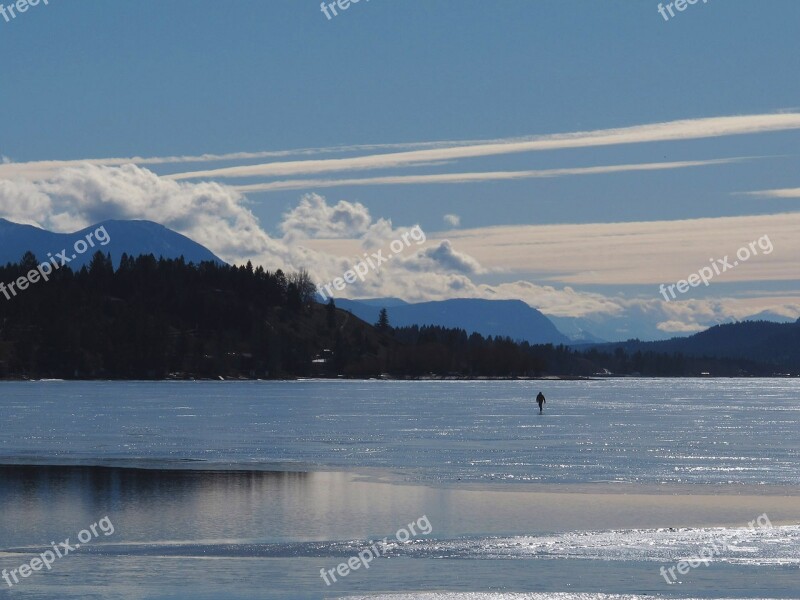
(240,490)
(618,430)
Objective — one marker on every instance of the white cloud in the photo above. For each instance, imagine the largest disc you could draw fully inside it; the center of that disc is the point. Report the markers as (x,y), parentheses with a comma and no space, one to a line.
(313,217)
(452,220)
(42,169)
(443,258)
(422,153)
(635,253)
(655,132)
(780,193)
(478,177)
(22,202)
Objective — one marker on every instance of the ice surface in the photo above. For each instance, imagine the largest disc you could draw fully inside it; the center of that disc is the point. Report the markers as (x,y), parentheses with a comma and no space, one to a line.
(501,596)
(705,431)
(745,546)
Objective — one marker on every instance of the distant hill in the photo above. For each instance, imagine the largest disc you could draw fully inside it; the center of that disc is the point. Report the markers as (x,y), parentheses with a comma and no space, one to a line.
(765,342)
(636,321)
(132,237)
(575,329)
(505,318)
(768,315)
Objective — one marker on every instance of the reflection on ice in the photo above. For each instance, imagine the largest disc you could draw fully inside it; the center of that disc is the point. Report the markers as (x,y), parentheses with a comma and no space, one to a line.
(501,596)
(744,546)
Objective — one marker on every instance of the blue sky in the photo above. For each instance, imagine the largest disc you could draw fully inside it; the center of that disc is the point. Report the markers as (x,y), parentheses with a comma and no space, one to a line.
(95,80)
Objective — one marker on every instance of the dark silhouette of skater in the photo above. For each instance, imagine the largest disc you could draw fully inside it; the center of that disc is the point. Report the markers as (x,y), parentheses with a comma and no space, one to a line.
(540,401)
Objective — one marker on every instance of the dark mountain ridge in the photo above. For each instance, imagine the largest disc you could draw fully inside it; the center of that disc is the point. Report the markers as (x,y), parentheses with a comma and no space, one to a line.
(765,342)
(132,237)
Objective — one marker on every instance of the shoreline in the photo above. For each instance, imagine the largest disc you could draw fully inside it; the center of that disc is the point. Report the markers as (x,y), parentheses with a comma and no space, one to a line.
(222,379)
(344,378)
(399,478)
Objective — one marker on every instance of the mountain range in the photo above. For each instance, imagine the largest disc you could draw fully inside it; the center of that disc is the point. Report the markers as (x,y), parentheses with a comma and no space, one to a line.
(504,318)
(766,342)
(169,318)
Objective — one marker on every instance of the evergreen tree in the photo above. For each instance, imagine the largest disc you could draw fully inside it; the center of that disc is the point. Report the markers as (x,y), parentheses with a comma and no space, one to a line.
(383,321)
(330,310)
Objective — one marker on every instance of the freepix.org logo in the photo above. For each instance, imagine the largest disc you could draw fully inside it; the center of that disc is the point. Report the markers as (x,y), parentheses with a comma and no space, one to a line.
(19,7)
(329,8)
(720,266)
(362,268)
(679,5)
(47,558)
(45,269)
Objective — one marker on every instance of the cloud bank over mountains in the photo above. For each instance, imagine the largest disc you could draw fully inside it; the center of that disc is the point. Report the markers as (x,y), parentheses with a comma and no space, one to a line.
(328,238)
(604,273)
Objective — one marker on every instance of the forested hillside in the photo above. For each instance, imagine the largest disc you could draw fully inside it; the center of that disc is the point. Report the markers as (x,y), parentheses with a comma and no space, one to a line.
(157,319)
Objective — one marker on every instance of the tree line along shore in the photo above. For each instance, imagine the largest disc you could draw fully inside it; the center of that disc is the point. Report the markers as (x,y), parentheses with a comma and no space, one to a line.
(167,319)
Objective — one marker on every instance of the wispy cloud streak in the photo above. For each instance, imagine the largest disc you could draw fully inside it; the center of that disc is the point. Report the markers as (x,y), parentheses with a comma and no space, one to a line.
(657,132)
(780,193)
(445,178)
(41,169)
